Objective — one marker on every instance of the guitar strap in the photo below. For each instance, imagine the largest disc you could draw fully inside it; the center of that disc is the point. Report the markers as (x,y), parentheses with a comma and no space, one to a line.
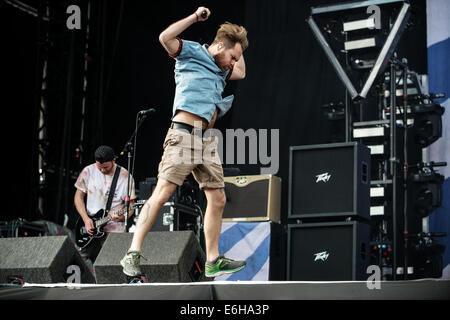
(112,190)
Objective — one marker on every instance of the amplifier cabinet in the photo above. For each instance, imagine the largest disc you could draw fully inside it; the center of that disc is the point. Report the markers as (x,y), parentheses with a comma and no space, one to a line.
(329,180)
(328,251)
(252,198)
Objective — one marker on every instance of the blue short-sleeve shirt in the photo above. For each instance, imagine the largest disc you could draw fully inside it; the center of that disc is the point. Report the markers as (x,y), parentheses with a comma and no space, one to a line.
(199,82)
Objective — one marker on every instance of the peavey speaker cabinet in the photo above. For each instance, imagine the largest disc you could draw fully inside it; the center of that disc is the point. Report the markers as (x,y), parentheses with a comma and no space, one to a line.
(252,198)
(329,180)
(328,251)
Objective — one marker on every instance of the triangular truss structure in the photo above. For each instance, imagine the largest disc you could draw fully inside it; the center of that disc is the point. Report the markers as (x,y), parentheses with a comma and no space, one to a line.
(382,41)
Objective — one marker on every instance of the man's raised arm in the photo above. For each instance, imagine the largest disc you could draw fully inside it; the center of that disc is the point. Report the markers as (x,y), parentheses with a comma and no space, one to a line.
(168,37)
(238,72)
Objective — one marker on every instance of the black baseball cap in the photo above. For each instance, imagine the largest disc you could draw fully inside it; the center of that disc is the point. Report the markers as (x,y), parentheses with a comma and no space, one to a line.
(104,154)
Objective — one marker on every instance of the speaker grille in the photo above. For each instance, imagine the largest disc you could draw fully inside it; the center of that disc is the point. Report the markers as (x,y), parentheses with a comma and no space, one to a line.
(171,257)
(321,253)
(252,198)
(41,259)
(246,201)
(319,176)
(331,251)
(329,180)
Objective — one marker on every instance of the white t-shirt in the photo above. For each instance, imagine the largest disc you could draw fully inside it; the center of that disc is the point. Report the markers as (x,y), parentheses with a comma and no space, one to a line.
(96,185)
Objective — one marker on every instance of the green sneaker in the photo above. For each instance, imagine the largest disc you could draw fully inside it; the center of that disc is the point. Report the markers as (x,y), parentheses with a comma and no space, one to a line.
(130,263)
(222,266)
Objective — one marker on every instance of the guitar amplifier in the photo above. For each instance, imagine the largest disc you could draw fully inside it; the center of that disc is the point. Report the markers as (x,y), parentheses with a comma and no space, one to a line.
(188,193)
(329,180)
(177,217)
(182,211)
(328,251)
(252,198)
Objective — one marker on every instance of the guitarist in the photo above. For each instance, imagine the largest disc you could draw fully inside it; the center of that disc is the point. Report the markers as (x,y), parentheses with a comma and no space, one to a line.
(93,185)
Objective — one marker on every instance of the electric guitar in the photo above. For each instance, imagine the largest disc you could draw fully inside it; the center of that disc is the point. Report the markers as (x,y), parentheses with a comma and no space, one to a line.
(83,238)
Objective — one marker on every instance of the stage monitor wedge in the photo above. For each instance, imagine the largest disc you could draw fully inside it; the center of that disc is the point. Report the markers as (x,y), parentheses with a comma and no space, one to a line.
(170,256)
(49,259)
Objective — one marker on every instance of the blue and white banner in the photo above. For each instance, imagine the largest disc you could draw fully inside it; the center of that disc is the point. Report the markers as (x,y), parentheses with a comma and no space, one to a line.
(438,43)
(248,241)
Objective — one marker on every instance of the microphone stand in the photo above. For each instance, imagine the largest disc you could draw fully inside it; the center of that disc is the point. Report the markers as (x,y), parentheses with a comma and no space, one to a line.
(405,171)
(393,162)
(130,147)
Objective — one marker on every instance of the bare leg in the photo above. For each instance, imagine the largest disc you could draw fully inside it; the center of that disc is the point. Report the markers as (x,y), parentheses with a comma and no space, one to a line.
(213,221)
(150,210)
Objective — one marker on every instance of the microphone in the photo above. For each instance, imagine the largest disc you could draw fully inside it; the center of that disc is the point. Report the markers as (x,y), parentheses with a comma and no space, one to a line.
(204,14)
(145,112)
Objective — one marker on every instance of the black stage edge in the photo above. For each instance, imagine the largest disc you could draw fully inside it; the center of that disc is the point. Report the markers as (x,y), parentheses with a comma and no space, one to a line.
(423,289)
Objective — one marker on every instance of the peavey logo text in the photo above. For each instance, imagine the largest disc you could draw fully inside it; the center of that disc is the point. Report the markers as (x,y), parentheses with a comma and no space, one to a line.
(321,256)
(323,177)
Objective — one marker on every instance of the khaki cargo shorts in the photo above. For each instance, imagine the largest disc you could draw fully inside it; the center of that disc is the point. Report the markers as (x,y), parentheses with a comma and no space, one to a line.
(185,153)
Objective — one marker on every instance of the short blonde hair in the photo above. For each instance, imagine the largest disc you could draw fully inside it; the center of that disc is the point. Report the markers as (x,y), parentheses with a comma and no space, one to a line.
(230,34)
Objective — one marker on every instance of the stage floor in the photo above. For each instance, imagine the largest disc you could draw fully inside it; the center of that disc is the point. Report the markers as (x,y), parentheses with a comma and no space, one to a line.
(423,289)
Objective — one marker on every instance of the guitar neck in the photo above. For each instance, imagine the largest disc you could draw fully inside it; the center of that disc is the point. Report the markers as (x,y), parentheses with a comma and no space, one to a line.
(105,220)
